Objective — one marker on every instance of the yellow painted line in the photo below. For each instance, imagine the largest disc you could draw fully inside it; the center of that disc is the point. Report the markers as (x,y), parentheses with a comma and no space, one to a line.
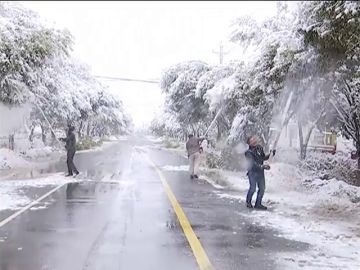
(22,210)
(199,252)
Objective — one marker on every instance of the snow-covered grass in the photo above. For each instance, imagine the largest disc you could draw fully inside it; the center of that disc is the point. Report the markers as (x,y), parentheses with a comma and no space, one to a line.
(12,195)
(101,147)
(173,145)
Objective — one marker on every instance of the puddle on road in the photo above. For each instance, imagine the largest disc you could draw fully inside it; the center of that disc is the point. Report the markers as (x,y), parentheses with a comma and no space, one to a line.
(88,192)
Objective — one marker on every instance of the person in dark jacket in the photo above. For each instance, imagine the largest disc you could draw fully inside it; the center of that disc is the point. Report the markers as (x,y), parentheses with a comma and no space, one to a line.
(255,157)
(70,147)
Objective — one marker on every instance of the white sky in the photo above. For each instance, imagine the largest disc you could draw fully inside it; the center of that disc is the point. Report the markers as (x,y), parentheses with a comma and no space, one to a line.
(139,39)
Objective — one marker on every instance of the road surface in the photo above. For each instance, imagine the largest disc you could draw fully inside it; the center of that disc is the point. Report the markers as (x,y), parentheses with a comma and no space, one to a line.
(126,212)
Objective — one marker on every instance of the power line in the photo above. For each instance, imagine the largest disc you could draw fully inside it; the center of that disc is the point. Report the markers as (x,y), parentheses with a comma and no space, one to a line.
(126,79)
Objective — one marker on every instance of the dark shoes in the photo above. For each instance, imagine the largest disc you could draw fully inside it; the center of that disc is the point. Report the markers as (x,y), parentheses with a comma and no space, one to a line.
(249,205)
(191,177)
(257,206)
(260,207)
(70,174)
(194,176)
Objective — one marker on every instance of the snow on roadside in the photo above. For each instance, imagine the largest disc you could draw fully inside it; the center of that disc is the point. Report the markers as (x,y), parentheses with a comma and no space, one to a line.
(154,139)
(184,168)
(323,213)
(39,152)
(9,159)
(12,196)
(119,138)
(99,148)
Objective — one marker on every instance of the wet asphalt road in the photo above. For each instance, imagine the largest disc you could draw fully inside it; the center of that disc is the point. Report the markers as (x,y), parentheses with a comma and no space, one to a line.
(120,218)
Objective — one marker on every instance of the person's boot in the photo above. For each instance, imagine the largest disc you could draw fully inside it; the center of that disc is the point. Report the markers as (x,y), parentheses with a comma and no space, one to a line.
(260,207)
(195,176)
(249,205)
(69,174)
(191,177)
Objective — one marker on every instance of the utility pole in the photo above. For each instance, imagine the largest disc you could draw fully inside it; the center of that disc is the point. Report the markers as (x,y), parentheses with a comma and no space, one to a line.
(221,53)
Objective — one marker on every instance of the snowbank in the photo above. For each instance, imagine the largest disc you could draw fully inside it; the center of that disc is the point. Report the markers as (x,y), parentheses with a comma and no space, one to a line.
(12,195)
(40,152)
(9,159)
(183,168)
(327,189)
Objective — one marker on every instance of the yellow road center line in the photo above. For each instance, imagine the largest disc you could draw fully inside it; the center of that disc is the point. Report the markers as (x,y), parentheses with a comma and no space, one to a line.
(22,210)
(199,252)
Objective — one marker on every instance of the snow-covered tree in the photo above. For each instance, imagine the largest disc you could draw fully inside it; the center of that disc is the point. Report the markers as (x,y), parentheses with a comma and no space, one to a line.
(25,45)
(179,85)
(300,54)
(347,104)
(213,87)
(332,28)
(36,67)
(330,34)
(166,124)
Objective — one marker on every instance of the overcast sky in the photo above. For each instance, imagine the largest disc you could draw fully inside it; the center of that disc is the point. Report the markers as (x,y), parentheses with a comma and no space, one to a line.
(140,39)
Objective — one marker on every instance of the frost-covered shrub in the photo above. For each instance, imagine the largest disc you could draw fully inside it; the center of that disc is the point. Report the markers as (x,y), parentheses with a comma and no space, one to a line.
(226,158)
(328,166)
(168,143)
(88,143)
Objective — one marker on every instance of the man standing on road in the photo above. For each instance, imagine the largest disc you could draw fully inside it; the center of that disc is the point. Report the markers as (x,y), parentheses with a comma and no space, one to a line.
(193,147)
(255,157)
(71,149)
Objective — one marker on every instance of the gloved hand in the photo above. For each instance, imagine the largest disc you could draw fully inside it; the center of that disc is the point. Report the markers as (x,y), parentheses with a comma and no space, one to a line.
(266,167)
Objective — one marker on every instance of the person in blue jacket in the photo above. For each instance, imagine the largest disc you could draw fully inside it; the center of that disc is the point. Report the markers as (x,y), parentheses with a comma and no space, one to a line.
(255,157)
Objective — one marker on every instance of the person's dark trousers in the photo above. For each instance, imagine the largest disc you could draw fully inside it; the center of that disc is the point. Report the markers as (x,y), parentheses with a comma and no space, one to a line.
(259,180)
(70,162)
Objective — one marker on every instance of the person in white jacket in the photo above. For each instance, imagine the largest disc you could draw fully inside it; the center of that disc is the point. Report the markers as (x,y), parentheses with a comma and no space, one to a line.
(193,148)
